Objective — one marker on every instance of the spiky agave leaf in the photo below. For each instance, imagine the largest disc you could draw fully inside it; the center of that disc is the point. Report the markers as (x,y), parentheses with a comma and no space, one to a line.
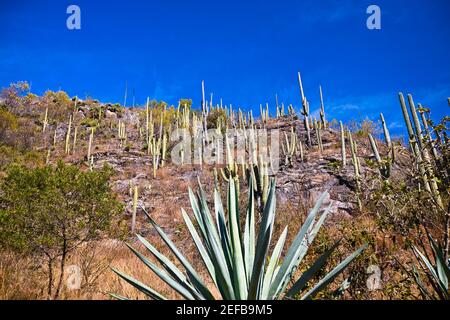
(438,274)
(236,262)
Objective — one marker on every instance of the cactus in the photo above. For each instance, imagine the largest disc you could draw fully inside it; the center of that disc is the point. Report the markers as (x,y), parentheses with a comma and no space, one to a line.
(387,138)
(135,202)
(54,135)
(322,109)
(45,123)
(67,146)
(343,152)
(47,159)
(91,163)
(424,153)
(75,133)
(384,166)
(428,133)
(317,127)
(305,112)
(290,148)
(413,143)
(357,168)
(91,139)
(300,149)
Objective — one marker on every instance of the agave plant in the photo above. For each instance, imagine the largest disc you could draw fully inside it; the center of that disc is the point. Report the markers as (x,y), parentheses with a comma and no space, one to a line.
(438,274)
(239,264)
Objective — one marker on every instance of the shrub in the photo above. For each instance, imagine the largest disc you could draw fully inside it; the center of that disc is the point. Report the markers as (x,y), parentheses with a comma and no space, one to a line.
(217,117)
(49,212)
(12,95)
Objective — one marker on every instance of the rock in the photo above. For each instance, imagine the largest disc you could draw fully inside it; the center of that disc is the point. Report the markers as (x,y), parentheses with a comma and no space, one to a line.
(110,115)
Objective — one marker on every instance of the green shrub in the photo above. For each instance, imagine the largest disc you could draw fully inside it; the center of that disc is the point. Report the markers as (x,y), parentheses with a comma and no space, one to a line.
(49,212)
(215,118)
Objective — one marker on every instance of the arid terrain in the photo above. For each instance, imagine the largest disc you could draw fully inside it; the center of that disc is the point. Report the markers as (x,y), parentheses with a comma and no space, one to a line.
(388,211)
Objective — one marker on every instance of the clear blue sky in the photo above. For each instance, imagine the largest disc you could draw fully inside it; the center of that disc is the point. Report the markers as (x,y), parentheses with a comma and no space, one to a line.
(246,51)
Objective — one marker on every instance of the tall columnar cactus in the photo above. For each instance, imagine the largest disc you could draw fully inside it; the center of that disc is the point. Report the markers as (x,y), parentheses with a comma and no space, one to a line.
(45,123)
(67,146)
(54,135)
(429,137)
(305,112)
(343,152)
(291,111)
(75,134)
(291,147)
(413,143)
(163,150)
(300,149)
(322,109)
(317,127)
(425,154)
(91,140)
(387,138)
(384,165)
(134,209)
(357,168)
(147,119)
(47,159)
(91,163)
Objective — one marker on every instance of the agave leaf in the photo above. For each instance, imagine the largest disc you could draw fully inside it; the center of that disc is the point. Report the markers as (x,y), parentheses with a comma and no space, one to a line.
(304,246)
(181,288)
(443,270)
(430,268)
(273,263)
(165,262)
(262,244)
(200,247)
(206,214)
(291,258)
(333,274)
(300,284)
(419,282)
(239,274)
(223,230)
(140,286)
(249,232)
(117,296)
(223,273)
(196,210)
(192,274)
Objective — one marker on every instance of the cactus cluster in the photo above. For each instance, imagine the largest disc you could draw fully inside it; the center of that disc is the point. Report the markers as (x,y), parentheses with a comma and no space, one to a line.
(420,151)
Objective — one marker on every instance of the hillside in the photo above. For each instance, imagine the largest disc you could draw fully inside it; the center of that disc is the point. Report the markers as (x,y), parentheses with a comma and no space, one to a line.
(366,197)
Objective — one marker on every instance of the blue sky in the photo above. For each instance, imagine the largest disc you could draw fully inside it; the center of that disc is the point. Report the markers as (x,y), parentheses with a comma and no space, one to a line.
(246,51)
